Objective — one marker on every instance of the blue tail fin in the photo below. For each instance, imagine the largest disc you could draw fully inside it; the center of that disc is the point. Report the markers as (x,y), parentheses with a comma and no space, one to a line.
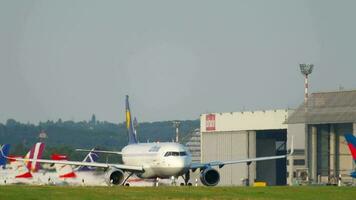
(91,157)
(129,124)
(4,152)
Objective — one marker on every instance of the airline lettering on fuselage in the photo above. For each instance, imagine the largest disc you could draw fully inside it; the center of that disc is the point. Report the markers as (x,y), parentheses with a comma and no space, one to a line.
(154,149)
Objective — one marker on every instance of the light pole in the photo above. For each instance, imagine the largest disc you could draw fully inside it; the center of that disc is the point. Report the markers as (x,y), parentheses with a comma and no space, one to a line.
(306,69)
(176,125)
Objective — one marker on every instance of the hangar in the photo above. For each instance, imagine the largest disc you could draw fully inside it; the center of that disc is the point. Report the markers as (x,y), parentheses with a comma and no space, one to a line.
(326,117)
(238,135)
(321,153)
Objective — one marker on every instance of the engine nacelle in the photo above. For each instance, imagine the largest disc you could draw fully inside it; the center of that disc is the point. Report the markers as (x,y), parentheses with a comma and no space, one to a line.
(115,177)
(209,177)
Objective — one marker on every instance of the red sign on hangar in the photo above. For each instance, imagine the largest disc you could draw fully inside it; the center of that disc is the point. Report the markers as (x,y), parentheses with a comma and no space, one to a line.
(210,122)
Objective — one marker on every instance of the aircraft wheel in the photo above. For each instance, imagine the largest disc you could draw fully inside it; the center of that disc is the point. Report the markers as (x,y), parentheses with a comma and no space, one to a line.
(181,184)
(127,184)
(190,184)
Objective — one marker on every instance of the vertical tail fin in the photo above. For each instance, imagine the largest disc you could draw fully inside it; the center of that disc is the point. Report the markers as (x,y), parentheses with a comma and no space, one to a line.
(351,142)
(4,153)
(129,124)
(35,153)
(91,157)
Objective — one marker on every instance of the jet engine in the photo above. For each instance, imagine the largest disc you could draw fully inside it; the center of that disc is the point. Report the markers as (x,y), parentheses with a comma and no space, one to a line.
(115,177)
(209,177)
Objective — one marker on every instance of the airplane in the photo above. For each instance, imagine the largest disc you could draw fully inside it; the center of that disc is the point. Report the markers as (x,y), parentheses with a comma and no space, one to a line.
(18,172)
(351,142)
(156,160)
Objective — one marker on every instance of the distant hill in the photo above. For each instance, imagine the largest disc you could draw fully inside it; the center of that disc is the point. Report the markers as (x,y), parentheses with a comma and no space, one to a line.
(65,136)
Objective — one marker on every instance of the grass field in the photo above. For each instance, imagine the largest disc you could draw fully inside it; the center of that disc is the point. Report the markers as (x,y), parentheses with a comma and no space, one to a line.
(101,193)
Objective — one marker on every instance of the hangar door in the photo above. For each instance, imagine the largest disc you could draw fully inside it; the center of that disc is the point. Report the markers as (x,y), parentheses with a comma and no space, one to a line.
(223,146)
(271,143)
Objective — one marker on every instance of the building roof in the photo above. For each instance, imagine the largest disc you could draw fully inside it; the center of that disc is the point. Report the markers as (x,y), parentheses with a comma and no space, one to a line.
(326,107)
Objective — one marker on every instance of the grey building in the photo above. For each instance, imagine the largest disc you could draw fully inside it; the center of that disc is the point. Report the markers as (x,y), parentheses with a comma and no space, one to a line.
(240,135)
(326,117)
(193,145)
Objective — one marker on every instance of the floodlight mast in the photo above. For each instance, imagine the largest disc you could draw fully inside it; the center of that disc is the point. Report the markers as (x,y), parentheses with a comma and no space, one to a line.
(176,125)
(306,69)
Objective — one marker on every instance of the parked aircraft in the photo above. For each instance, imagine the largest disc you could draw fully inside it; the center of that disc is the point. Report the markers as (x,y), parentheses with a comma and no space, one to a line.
(156,160)
(19,172)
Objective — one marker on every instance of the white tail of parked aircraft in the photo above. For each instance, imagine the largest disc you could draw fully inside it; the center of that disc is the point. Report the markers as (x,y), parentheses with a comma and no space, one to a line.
(156,160)
(24,169)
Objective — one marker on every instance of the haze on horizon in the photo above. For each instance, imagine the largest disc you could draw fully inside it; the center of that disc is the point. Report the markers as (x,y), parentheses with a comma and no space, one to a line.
(176,59)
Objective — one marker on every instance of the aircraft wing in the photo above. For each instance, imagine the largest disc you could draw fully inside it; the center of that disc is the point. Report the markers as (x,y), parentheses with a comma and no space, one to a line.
(98,151)
(89,164)
(223,163)
(195,166)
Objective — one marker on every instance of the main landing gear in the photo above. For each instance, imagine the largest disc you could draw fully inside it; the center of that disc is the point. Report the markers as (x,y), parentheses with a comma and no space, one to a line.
(127,178)
(186,178)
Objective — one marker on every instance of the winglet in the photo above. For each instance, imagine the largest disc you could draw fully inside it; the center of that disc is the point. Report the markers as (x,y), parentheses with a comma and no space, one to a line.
(291,146)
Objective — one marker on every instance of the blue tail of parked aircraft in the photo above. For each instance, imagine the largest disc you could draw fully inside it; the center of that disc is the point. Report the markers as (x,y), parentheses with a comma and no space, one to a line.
(129,124)
(4,152)
(91,157)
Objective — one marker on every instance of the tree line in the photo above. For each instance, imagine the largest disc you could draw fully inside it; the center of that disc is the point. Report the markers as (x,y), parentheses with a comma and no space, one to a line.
(65,136)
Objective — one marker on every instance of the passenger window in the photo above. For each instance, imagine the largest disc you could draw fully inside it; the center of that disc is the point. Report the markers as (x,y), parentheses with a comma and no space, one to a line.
(174,153)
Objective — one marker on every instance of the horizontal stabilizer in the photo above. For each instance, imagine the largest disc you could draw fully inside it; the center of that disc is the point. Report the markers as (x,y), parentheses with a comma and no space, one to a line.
(25,175)
(63,170)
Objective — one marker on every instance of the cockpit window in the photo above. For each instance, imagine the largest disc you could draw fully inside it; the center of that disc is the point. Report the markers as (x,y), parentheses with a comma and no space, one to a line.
(182,153)
(175,153)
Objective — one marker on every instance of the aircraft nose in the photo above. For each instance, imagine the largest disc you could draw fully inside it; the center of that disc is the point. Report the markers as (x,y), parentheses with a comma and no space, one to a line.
(184,162)
(179,162)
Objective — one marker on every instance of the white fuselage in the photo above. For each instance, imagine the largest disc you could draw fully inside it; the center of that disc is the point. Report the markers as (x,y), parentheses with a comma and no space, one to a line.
(162,160)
